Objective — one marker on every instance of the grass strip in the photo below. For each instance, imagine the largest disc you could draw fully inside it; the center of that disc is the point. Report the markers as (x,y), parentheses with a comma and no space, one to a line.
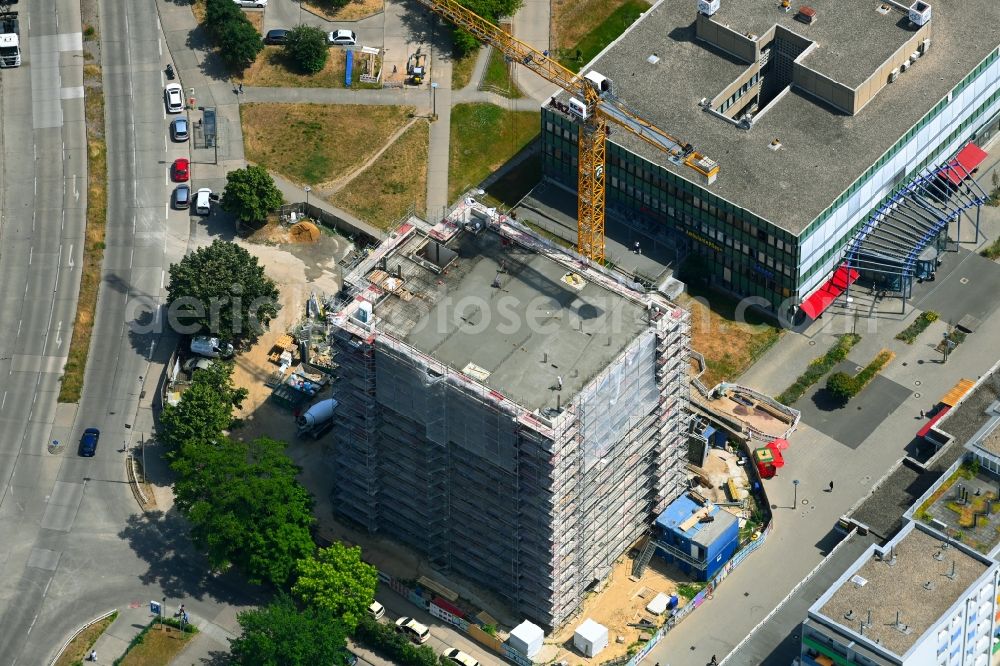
(156,645)
(93,246)
(83,642)
(497,77)
(819,367)
(919,325)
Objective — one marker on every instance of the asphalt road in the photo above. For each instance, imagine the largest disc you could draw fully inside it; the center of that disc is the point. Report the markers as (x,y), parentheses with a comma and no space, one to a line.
(43,192)
(73,546)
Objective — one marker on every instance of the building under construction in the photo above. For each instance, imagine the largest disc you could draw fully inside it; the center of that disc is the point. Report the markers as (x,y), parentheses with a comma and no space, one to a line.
(509,412)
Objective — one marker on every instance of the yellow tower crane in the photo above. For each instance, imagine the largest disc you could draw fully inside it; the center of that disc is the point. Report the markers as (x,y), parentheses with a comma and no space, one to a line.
(593,105)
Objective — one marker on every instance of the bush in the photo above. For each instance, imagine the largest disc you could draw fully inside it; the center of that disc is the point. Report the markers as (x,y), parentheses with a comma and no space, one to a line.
(384,641)
(819,367)
(306,46)
(841,386)
(844,387)
(919,325)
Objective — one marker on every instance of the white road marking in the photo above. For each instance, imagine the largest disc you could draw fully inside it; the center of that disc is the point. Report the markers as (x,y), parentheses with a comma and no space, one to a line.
(163,276)
(4,401)
(31,252)
(70,262)
(59,339)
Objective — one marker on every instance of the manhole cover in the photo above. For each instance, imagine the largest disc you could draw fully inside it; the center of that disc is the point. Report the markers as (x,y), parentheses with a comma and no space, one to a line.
(920,362)
(963,281)
(774,506)
(812,343)
(916,395)
(857,368)
(905,364)
(917,383)
(805,502)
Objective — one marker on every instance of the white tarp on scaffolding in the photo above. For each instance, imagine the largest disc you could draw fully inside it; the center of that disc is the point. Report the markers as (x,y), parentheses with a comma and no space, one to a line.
(619,398)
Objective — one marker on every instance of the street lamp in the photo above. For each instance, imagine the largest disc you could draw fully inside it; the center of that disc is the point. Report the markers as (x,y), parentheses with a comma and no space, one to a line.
(308,190)
(434,99)
(795,496)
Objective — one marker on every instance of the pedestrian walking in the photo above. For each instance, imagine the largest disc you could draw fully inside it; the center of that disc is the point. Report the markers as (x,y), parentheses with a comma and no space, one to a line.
(831,487)
(636,249)
(92,656)
(714,661)
(921,413)
(241,89)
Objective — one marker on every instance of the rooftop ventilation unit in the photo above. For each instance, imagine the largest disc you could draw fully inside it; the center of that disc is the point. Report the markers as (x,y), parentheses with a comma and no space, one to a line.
(653,58)
(920,13)
(601,83)
(905,66)
(806,15)
(894,74)
(925,45)
(708,7)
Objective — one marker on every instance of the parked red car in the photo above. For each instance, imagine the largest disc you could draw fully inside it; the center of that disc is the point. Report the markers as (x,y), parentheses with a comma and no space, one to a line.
(180,171)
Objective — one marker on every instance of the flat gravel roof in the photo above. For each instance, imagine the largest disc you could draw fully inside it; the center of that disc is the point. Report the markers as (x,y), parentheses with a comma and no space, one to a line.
(902,586)
(823,150)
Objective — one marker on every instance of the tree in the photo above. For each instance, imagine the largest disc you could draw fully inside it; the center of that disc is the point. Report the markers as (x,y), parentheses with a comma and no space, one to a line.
(306,46)
(223,290)
(841,386)
(245,506)
(491,10)
(250,194)
(220,12)
(336,580)
(205,409)
(280,634)
(239,42)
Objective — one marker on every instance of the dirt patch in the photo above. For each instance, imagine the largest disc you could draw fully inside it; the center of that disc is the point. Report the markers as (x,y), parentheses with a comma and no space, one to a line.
(729,346)
(352,11)
(620,602)
(316,143)
(299,269)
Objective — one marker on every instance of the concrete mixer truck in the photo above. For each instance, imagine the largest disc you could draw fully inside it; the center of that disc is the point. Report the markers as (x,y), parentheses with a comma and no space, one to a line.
(318,419)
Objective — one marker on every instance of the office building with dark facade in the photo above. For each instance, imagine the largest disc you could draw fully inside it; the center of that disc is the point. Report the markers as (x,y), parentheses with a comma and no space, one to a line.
(817,116)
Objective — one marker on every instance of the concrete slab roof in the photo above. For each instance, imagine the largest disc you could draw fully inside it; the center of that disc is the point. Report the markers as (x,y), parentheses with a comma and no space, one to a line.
(823,150)
(886,586)
(510,312)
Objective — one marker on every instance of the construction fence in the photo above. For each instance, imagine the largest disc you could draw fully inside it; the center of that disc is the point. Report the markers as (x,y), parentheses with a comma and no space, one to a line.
(447,612)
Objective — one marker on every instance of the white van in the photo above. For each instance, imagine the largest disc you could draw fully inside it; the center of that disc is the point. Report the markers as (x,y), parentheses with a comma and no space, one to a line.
(417,632)
(210,347)
(376,610)
(203,201)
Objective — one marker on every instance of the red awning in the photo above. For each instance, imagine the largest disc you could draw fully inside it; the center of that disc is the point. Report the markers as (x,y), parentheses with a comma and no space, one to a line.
(967,159)
(930,424)
(828,293)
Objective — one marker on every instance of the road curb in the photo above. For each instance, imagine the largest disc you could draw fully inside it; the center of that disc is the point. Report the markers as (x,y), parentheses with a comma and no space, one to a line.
(133,482)
(77,633)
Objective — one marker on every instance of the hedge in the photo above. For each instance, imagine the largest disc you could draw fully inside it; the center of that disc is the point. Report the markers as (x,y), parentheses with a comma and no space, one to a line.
(819,367)
(383,639)
(919,325)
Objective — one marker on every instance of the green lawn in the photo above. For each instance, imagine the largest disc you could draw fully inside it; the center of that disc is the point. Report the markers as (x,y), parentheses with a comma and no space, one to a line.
(497,76)
(461,69)
(606,32)
(483,137)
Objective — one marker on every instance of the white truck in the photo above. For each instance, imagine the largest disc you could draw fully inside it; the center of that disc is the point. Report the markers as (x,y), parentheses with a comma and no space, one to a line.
(318,419)
(10,43)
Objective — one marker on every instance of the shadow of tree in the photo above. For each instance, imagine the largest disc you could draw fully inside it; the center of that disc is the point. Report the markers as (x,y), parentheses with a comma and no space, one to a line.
(826,401)
(162,541)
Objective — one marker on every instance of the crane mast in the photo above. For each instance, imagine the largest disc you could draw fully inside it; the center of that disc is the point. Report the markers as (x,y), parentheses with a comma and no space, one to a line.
(593,104)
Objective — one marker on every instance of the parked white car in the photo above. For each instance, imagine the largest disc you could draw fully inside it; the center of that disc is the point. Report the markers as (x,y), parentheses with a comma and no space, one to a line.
(376,610)
(173,95)
(342,38)
(415,631)
(259,4)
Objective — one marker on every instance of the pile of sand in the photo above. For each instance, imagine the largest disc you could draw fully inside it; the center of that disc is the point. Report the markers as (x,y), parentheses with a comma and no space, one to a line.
(303,232)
